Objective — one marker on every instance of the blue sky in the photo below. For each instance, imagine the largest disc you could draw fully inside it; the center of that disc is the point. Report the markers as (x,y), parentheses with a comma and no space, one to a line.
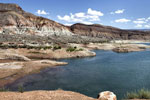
(125,14)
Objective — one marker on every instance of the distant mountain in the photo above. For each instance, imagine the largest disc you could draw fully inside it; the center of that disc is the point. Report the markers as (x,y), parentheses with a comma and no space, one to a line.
(144,29)
(109,32)
(140,29)
(14,20)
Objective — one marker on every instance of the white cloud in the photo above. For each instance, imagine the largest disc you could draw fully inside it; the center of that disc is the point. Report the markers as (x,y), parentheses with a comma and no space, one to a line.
(148,18)
(118,11)
(141,19)
(93,18)
(123,20)
(142,22)
(80,15)
(65,18)
(139,26)
(139,22)
(147,26)
(87,18)
(94,12)
(42,12)
(87,22)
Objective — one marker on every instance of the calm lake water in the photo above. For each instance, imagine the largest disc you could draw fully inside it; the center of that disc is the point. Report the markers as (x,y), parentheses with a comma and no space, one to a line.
(116,72)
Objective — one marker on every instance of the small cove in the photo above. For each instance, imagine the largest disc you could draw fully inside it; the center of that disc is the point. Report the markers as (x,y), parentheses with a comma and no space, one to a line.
(108,71)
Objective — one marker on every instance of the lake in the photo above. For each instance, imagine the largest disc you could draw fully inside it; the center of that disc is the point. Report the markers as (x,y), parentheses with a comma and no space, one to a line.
(108,71)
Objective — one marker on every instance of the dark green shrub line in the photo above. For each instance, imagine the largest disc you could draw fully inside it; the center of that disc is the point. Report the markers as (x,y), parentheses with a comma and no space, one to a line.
(56,47)
(20,89)
(4,89)
(25,46)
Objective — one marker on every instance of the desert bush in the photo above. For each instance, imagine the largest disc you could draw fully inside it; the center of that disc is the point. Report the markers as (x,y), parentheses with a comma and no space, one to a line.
(71,49)
(21,89)
(56,47)
(47,47)
(80,49)
(140,94)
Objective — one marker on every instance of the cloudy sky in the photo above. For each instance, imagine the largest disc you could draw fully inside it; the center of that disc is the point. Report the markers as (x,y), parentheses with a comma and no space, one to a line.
(125,14)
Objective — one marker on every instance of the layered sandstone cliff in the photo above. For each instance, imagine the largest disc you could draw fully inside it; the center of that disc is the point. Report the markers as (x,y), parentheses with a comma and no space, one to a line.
(13,19)
(109,32)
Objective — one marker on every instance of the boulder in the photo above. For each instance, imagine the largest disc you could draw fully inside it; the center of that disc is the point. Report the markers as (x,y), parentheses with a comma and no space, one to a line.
(107,95)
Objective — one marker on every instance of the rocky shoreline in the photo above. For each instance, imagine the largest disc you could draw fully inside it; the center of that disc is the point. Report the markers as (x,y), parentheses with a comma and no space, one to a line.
(17,62)
(30,58)
(29,43)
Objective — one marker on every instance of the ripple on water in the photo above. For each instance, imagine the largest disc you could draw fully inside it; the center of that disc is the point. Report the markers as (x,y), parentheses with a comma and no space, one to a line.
(116,72)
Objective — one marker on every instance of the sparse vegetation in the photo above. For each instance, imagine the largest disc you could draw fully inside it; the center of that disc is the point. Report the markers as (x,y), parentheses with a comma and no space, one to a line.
(71,49)
(140,94)
(56,47)
(36,52)
(80,49)
(3,89)
(105,41)
(16,46)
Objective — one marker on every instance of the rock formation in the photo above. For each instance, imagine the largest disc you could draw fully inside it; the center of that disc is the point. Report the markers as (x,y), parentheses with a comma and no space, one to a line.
(109,32)
(15,20)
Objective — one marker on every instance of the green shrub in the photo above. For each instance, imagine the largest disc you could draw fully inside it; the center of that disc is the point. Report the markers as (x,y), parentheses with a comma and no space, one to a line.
(131,95)
(71,49)
(56,47)
(29,47)
(47,47)
(140,94)
(144,94)
(80,49)
(20,89)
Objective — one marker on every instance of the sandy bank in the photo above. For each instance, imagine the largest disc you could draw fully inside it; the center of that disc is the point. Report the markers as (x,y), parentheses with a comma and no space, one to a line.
(44,95)
(117,47)
(16,63)
(11,71)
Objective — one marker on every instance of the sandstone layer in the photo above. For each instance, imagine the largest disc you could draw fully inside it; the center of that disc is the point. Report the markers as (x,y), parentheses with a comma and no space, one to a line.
(109,32)
(14,20)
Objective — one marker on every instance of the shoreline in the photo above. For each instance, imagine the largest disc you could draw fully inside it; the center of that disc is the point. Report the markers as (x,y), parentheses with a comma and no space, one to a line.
(27,61)
(16,63)
(28,57)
